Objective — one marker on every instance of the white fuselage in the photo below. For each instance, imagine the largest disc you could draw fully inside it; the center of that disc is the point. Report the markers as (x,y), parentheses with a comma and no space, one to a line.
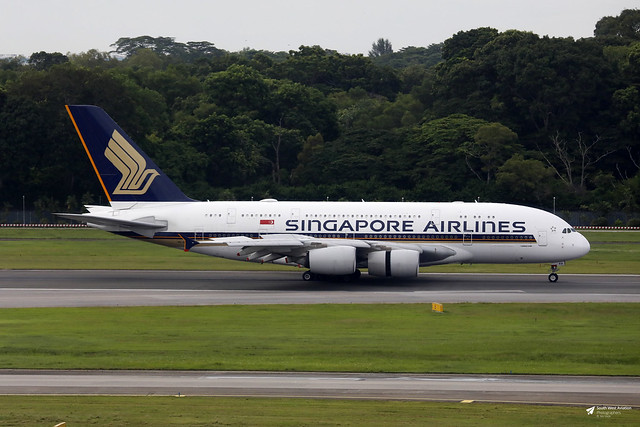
(477,232)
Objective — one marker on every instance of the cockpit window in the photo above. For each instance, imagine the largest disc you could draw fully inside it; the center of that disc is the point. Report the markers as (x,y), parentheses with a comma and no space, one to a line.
(568,230)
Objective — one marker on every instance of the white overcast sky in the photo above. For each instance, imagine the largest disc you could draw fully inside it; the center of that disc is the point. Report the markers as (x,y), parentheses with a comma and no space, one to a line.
(348,26)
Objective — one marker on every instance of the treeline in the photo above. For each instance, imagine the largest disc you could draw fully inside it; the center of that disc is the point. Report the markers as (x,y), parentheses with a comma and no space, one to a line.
(496,116)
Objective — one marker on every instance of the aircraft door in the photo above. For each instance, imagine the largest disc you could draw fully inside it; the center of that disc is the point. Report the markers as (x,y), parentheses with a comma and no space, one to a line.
(231,215)
(467,239)
(542,237)
(198,233)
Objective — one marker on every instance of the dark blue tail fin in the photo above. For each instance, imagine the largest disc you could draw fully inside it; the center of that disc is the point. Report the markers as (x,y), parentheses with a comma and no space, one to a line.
(126,173)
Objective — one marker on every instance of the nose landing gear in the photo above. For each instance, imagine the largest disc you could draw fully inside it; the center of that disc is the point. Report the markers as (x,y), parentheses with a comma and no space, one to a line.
(553,276)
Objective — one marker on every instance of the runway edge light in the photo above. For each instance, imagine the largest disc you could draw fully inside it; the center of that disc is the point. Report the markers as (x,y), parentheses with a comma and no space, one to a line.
(437,307)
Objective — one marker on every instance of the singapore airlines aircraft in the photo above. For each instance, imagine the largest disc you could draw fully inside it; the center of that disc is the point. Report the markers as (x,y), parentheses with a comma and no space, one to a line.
(328,238)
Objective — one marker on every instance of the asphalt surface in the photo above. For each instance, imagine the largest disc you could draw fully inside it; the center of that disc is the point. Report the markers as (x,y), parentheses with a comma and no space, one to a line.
(75,288)
(548,390)
(34,288)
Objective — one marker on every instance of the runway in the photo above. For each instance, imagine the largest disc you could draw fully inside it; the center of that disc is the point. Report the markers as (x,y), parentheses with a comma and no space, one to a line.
(548,390)
(85,288)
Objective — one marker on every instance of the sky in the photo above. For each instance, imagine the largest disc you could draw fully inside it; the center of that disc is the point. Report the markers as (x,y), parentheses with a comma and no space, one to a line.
(348,26)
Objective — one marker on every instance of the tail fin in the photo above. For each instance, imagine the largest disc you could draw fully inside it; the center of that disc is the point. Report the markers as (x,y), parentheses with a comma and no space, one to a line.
(125,172)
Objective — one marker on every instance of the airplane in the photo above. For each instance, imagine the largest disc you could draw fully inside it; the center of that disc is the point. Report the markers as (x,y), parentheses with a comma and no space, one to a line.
(330,239)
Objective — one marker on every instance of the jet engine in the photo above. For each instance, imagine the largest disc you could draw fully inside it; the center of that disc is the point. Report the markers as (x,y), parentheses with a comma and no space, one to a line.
(333,261)
(396,263)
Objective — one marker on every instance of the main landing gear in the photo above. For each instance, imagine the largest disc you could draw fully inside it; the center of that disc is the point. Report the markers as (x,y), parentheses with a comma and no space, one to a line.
(308,276)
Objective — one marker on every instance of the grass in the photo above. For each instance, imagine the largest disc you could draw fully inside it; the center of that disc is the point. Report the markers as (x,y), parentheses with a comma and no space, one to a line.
(581,339)
(80,248)
(611,253)
(206,411)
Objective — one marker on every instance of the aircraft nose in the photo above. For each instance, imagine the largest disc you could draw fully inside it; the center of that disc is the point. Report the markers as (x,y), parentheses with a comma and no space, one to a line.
(581,246)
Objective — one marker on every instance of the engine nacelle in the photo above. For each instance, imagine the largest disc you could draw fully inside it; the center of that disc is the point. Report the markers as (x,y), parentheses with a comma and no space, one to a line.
(333,261)
(396,263)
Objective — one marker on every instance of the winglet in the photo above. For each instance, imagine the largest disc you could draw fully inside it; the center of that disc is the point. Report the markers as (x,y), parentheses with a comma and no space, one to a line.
(125,172)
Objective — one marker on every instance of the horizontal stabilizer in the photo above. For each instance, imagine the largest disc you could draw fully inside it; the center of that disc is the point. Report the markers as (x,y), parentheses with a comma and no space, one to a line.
(146,226)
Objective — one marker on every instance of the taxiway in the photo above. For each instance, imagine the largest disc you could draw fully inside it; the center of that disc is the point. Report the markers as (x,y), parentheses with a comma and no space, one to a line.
(542,389)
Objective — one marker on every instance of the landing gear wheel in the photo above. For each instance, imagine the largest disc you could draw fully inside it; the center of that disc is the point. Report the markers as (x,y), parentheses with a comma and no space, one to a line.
(307,276)
(553,277)
(356,275)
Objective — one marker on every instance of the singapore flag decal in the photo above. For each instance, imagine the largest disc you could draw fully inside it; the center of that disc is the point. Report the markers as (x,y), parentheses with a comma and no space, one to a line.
(267,222)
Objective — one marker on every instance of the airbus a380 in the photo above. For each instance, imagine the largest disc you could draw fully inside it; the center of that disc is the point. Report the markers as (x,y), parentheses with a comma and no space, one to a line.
(327,238)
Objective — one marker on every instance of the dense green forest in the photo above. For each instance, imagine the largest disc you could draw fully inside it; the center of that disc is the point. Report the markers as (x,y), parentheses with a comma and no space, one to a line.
(497,116)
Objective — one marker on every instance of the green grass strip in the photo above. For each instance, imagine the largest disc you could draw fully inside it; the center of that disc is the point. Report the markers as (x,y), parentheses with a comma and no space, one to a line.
(207,411)
(582,339)
(611,253)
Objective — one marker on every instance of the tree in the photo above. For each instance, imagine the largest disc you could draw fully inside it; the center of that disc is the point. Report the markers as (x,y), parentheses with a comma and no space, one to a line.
(627,104)
(380,48)
(533,85)
(525,180)
(201,49)
(436,154)
(43,60)
(237,90)
(311,148)
(94,59)
(127,46)
(167,46)
(232,146)
(621,29)
(413,123)
(358,155)
(282,140)
(145,60)
(492,144)
(576,159)
(41,154)
(329,72)
(419,57)
(405,111)
(632,67)
(173,83)
(296,106)
(464,44)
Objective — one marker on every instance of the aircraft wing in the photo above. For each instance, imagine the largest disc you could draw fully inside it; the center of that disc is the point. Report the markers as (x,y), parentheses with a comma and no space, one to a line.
(275,246)
(146,226)
(271,247)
